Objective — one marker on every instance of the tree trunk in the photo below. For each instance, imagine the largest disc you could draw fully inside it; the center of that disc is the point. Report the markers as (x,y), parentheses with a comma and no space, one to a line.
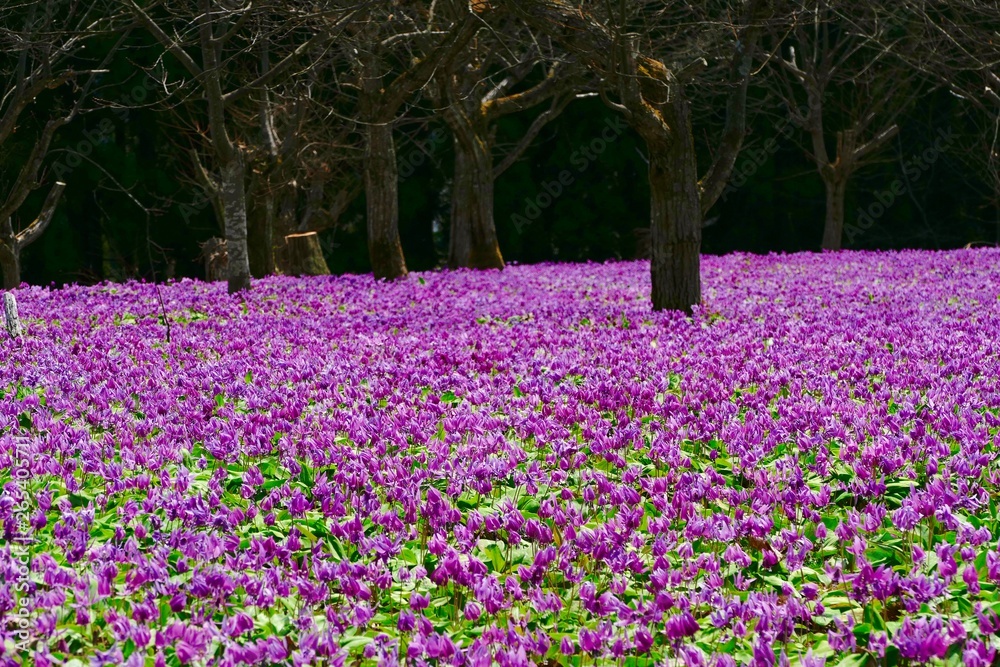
(11,243)
(676,217)
(382,192)
(473,236)
(234,209)
(833,226)
(10,263)
(305,255)
(285,224)
(260,229)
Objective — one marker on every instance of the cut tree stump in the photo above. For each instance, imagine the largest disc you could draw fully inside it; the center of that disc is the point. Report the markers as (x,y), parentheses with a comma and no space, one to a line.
(304,255)
(213,251)
(11,319)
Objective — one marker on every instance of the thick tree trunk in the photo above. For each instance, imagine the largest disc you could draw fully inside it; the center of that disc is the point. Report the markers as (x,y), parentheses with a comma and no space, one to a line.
(232,193)
(676,217)
(382,192)
(473,236)
(833,226)
(260,230)
(10,262)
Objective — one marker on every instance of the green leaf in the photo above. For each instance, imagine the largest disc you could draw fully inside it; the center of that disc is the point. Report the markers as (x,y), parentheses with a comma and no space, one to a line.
(279,623)
(854,660)
(497,558)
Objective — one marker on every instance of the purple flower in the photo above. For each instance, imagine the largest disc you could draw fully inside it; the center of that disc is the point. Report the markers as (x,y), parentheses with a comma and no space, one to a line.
(439,646)
(921,639)
(472,611)
(763,653)
(178,602)
(978,654)
(993,565)
(238,624)
(810,660)
(185,652)
(735,555)
(643,640)
(971,579)
(590,641)
(681,625)
(407,621)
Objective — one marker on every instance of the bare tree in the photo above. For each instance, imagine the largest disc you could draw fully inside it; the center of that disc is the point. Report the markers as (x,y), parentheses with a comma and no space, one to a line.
(209,40)
(844,65)
(485,84)
(411,41)
(957,46)
(38,44)
(647,56)
(302,182)
(321,176)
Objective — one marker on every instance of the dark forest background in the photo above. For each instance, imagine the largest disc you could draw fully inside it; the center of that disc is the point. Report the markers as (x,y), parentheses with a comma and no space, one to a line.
(131,208)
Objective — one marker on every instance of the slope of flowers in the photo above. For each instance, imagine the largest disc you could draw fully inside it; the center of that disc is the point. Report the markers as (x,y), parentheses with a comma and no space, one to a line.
(517,468)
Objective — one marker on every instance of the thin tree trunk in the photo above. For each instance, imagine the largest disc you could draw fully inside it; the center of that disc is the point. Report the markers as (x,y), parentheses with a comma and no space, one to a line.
(382,192)
(234,209)
(460,224)
(676,217)
(833,226)
(285,224)
(11,243)
(260,229)
(473,237)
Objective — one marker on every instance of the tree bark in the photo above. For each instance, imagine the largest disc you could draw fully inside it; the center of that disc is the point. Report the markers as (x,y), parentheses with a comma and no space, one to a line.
(380,103)
(305,255)
(213,252)
(652,99)
(232,193)
(11,319)
(11,243)
(833,226)
(382,192)
(286,223)
(261,228)
(675,215)
(10,262)
(473,236)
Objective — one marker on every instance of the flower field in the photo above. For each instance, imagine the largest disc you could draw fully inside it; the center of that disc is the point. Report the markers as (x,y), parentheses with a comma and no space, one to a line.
(517,468)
